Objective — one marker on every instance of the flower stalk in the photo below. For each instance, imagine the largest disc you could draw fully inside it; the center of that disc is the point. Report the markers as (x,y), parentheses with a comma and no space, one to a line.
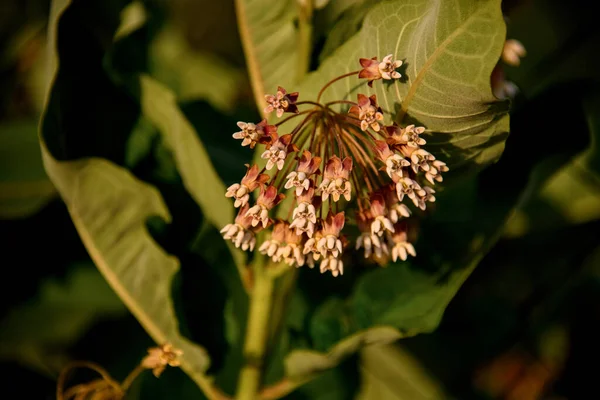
(257,332)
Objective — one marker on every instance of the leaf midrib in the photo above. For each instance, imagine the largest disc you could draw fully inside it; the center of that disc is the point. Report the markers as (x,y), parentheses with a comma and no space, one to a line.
(434,56)
(258,85)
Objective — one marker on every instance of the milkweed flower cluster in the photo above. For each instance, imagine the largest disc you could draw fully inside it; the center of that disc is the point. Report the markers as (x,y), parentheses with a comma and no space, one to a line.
(340,168)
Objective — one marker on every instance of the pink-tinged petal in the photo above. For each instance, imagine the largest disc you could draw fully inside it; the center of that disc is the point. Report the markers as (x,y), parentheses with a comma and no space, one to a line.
(382,149)
(354,110)
(364,74)
(338,221)
(373,100)
(363,100)
(366,62)
(347,164)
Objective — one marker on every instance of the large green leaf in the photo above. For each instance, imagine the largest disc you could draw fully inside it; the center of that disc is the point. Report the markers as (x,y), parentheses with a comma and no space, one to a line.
(188,72)
(270,43)
(302,364)
(159,106)
(391,373)
(449,49)
(201,180)
(109,208)
(341,20)
(160,109)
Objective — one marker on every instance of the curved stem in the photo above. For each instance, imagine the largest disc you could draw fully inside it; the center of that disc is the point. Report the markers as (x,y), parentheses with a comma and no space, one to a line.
(283,121)
(131,377)
(257,332)
(331,82)
(283,387)
(60,393)
(352,103)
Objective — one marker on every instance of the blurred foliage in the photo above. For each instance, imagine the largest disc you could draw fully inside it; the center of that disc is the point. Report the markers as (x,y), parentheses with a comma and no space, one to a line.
(152,95)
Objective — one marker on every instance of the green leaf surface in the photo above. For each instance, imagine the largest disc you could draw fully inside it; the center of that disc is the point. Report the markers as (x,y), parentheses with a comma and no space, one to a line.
(341,20)
(110,208)
(302,364)
(269,38)
(194,75)
(449,49)
(159,106)
(199,177)
(24,185)
(390,373)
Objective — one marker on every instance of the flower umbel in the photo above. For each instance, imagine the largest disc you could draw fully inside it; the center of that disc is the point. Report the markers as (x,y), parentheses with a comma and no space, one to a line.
(342,168)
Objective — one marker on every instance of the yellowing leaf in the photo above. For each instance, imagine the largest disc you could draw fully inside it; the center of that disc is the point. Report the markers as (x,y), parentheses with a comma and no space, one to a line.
(109,208)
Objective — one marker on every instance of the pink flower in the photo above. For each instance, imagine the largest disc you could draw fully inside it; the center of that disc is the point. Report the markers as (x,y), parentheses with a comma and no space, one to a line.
(368,112)
(281,102)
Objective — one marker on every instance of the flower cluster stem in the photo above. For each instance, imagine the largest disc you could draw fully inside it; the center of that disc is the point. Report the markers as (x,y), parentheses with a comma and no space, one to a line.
(257,332)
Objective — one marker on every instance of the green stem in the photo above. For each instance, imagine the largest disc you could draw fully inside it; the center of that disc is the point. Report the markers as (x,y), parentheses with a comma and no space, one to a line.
(257,332)
(305,13)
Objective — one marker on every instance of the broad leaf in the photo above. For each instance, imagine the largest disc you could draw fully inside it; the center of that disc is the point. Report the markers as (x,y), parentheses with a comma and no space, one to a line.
(194,75)
(391,373)
(109,208)
(341,20)
(302,364)
(159,106)
(270,44)
(160,109)
(449,49)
